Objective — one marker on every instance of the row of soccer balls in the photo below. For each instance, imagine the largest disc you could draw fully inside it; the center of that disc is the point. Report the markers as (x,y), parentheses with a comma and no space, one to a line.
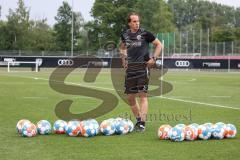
(86,128)
(194,131)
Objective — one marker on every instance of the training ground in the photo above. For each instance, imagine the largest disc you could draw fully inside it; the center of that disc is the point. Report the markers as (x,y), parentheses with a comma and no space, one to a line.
(197,97)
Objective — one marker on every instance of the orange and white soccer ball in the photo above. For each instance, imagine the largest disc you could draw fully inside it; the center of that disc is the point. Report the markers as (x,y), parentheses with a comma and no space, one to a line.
(29,130)
(107,127)
(164,131)
(73,128)
(231,131)
(190,133)
(89,128)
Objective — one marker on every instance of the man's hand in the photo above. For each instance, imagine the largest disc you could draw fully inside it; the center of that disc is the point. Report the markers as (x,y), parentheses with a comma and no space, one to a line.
(124,63)
(151,63)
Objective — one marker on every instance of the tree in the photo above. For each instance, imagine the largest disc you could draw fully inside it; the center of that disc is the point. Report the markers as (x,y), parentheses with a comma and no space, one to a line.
(237,17)
(0,11)
(156,16)
(18,26)
(4,38)
(223,35)
(41,36)
(63,27)
(109,21)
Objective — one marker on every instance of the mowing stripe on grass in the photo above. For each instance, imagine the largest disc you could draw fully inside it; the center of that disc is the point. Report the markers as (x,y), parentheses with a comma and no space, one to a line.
(163,97)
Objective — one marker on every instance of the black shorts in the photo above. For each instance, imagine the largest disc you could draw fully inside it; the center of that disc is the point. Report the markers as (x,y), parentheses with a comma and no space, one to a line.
(136,81)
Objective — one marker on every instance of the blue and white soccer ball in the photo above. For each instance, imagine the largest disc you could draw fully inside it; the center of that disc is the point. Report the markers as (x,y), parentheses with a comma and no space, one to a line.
(107,127)
(121,126)
(130,125)
(20,124)
(177,134)
(204,132)
(180,126)
(29,130)
(209,125)
(89,128)
(59,127)
(218,131)
(44,127)
(230,131)
(73,128)
(221,124)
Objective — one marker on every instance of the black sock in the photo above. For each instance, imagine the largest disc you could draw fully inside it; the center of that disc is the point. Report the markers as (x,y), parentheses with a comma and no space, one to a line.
(138,119)
(143,123)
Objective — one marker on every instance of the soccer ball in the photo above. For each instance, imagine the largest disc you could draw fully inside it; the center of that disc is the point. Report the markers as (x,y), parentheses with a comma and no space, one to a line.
(177,134)
(204,132)
(44,127)
(218,131)
(190,133)
(29,130)
(59,127)
(231,131)
(180,126)
(194,126)
(107,127)
(121,126)
(163,131)
(20,124)
(89,128)
(73,128)
(209,125)
(220,124)
(130,125)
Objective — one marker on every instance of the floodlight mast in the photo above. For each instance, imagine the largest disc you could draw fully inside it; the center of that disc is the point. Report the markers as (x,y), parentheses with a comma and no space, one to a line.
(72,32)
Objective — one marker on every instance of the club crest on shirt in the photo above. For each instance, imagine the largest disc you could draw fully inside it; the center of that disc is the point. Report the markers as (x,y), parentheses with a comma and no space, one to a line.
(139,37)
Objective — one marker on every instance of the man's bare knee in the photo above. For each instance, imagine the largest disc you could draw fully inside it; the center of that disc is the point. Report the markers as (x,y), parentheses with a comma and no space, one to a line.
(131,99)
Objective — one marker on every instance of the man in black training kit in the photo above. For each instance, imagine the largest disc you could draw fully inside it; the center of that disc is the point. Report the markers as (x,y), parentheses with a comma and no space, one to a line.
(134,51)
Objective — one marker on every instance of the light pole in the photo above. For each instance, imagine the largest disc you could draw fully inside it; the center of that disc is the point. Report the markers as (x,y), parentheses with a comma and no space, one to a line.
(72,32)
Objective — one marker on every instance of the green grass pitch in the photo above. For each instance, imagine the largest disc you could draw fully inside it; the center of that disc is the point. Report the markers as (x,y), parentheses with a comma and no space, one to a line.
(197,97)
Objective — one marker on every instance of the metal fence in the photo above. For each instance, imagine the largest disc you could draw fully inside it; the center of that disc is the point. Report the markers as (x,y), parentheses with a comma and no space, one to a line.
(182,43)
(197,42)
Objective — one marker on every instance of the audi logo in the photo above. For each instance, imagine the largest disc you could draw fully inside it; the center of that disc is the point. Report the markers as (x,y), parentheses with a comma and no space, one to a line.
(182,63)
(65,62)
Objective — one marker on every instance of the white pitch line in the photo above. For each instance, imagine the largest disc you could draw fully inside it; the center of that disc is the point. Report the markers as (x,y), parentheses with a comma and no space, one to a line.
(202,103)
(220,96)
(35,97)
(180,100)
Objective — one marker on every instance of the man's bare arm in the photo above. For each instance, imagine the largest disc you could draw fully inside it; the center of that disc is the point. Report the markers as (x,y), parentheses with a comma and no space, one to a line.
(158,47)
(123,54)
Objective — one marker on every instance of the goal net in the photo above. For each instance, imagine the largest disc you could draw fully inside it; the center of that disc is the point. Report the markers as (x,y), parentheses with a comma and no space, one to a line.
(25,66)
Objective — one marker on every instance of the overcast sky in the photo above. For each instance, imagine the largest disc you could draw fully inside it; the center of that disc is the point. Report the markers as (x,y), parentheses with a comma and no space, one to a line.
(40,9)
